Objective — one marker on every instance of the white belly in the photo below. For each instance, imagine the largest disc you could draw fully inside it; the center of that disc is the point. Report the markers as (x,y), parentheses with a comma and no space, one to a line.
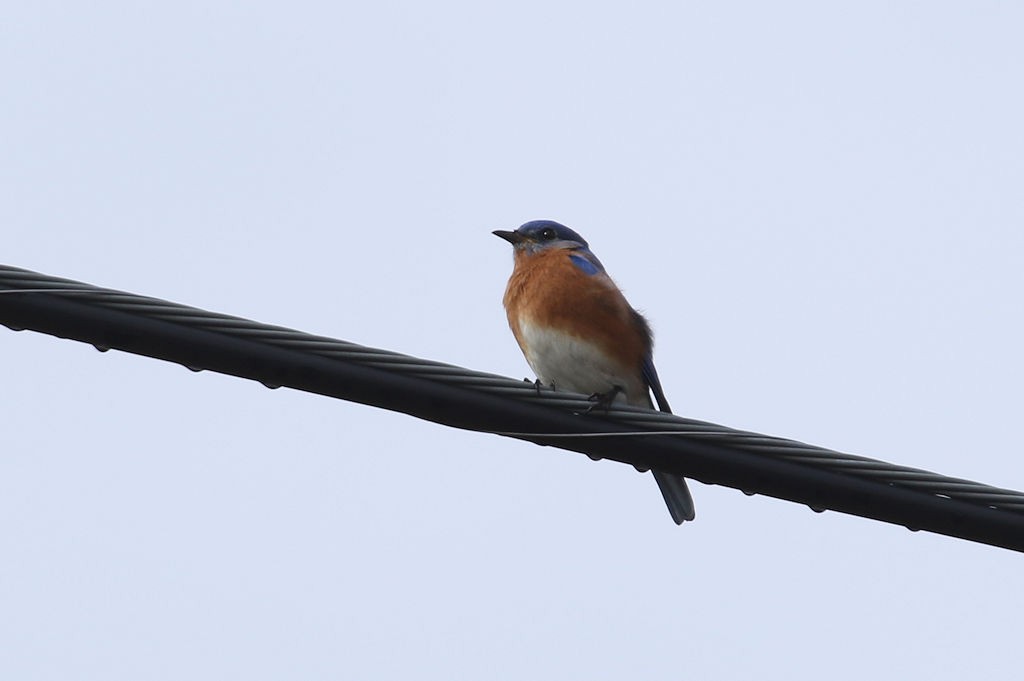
(570,363)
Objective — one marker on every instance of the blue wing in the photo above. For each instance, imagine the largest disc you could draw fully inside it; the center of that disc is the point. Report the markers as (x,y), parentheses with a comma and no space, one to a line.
(651,378)
(650,374)
(586,261)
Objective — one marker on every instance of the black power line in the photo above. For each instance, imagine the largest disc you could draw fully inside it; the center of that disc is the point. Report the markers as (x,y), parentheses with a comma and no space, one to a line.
(713,454)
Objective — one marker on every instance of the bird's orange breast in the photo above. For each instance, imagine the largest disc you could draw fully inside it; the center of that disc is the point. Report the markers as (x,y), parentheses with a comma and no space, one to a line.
(546,289)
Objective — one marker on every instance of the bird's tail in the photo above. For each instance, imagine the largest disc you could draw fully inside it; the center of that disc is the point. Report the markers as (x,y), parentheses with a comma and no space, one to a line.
(677,496)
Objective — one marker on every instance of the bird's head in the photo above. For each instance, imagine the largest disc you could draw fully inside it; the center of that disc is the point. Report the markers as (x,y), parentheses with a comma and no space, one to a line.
(542,235)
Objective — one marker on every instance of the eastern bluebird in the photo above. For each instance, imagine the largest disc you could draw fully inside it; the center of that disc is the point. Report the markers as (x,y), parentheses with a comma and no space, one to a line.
(578,332)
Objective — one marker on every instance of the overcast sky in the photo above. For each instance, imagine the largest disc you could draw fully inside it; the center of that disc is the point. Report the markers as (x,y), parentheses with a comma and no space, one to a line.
(818,205)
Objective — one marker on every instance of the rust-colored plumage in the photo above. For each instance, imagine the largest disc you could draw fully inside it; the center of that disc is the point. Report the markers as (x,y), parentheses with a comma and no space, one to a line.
(547,290)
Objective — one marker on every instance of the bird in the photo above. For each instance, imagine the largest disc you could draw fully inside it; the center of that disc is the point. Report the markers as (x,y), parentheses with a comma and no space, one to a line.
(579,333)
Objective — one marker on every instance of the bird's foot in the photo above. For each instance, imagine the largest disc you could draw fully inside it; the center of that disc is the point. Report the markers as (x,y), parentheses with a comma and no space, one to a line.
(604,400)
(538,384)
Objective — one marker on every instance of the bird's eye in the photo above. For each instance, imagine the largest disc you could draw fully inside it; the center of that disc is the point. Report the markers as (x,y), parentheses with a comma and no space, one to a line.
(547,234)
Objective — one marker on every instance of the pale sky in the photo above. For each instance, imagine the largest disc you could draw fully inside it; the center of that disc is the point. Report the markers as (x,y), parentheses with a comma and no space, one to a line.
(818,206)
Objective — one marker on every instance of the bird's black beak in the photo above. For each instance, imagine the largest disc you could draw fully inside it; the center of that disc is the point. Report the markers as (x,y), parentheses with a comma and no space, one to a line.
(511,237)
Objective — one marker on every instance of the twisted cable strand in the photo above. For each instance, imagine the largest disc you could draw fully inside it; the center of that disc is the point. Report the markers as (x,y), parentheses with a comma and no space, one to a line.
(632,421)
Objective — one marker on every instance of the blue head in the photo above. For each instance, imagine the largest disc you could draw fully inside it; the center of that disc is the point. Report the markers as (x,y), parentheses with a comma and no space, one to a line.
(547,235)
(540,235)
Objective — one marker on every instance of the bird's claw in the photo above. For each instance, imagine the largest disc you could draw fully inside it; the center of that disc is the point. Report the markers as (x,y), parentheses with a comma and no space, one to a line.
(537,384)
(604,400)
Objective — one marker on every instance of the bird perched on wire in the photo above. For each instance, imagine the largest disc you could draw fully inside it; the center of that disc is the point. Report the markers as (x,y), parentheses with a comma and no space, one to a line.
(578,333)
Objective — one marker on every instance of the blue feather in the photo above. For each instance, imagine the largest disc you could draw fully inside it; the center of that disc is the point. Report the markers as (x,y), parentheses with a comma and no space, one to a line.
(584,264)
(651,377)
